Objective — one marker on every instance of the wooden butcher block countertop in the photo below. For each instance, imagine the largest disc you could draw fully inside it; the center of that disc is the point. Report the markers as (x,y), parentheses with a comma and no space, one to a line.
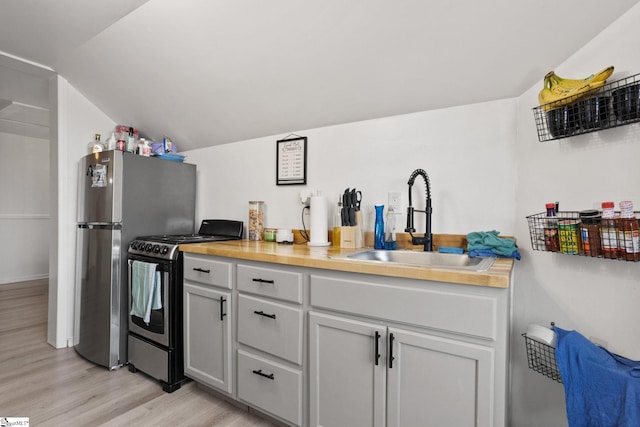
(498,276)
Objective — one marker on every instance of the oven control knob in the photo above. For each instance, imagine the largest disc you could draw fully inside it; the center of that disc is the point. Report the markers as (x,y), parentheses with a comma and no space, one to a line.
(156,249)
(164,250)
(148,247)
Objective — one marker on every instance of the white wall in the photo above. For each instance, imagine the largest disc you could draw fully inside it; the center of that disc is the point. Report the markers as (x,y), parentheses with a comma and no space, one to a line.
(78,121)
(597,297)
(468,153)
(24,208)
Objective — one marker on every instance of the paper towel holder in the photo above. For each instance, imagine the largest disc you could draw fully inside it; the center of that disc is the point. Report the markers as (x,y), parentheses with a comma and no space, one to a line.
(319,221)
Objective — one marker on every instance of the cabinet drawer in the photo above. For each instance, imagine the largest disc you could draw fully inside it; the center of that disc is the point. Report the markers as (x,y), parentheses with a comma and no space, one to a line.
(270,327)
(270,386)
(466,314)
(284,285)
(204,269)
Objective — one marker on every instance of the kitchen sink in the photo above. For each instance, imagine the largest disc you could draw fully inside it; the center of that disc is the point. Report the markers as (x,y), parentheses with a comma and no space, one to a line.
(421,259)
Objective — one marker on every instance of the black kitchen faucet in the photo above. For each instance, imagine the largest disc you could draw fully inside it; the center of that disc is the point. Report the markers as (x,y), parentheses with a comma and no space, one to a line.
(427,240)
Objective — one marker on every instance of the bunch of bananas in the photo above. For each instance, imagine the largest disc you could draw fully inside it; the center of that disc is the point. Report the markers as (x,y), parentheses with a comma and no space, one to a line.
(558,91)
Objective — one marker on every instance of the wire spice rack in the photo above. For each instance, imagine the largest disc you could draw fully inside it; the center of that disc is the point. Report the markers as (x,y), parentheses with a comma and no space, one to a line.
(614,104)
(542,358)
(566,225)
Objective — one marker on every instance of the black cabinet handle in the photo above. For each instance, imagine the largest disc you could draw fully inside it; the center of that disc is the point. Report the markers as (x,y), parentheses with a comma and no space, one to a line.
(263,280)
(201,270)
(391,358)
(262,374)
(262,313)
(377,351)
(222,313)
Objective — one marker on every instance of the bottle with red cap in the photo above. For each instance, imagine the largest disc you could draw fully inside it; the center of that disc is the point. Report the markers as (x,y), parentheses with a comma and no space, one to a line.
(551,241)
(609,231)
(628,233)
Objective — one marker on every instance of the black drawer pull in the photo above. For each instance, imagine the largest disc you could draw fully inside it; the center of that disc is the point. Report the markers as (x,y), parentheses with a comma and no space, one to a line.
(391,358)
(262,374)
(262,313)
(222,313)
(263,280)
(201,270)
(377,351)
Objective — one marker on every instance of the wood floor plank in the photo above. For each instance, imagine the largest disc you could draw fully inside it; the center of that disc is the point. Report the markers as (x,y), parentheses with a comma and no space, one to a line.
(58,387)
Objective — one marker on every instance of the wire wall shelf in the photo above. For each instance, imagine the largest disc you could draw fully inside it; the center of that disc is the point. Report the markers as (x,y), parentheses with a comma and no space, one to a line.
(614,104)
(542,358)
(609,240)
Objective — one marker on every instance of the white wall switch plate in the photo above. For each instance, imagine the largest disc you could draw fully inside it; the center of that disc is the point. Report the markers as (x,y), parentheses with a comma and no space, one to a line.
(394,200)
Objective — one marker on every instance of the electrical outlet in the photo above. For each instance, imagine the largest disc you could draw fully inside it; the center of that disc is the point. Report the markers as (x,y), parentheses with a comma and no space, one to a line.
(394,200)
(305,198)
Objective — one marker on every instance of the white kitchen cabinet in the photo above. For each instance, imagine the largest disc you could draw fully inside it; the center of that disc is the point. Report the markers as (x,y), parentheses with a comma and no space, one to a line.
(431,381)
(207,336)
(310,346)
(441,349)
(346,376)
(271,340)
(271,386)
(271,327)
(435,381)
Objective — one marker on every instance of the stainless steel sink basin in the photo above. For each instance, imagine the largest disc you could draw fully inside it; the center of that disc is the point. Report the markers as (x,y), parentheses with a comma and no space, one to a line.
(422,259)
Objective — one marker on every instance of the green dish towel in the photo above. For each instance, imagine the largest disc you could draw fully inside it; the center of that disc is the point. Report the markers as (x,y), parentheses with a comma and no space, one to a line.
(482,242)
(145,290)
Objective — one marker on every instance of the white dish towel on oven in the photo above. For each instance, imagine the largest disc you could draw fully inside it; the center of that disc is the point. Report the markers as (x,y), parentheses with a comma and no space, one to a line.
(145,289)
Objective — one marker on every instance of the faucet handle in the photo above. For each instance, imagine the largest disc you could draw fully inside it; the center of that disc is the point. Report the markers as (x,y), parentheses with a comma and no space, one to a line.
(410,228)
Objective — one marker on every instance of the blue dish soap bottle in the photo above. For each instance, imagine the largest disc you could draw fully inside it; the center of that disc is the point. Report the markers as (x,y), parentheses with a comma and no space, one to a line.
(390,230)
(378,230)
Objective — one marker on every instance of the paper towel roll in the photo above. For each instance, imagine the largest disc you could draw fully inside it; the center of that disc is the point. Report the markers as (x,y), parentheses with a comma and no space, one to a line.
(319,221)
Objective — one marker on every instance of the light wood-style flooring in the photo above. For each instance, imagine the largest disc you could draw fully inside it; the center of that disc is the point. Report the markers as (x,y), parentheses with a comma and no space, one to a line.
(59,388)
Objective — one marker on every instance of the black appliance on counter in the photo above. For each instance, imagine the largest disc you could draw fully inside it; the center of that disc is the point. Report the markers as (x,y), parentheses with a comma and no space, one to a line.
(156,345)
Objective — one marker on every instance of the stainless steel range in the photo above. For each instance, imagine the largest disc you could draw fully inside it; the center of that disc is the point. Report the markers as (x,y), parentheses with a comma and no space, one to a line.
(155,344)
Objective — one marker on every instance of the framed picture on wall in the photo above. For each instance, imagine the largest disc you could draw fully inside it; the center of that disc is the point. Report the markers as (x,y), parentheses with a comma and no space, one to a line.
(291,161)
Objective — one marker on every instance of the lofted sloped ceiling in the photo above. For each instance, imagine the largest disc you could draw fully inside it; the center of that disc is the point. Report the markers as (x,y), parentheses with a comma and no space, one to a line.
(209,72)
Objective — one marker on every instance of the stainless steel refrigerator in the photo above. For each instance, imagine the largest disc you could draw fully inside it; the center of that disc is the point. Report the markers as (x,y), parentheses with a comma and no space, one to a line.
(121,196)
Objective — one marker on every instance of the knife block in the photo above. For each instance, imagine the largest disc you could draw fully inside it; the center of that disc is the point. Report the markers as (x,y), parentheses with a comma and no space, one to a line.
(352,237)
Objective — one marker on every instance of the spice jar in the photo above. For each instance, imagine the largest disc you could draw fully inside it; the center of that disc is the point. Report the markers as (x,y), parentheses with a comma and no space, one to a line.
(609,231)
(569,236)
(590,233)
(256,219)
(628,234)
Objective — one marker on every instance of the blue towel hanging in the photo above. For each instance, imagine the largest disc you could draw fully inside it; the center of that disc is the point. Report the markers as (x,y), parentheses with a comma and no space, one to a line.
(601,389)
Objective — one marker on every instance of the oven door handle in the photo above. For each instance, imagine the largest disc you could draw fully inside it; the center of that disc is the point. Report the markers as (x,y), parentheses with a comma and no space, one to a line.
(222,313)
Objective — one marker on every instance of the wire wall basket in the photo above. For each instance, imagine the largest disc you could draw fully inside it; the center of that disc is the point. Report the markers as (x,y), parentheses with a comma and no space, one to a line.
(568,233)
(542,358)
(614,104)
